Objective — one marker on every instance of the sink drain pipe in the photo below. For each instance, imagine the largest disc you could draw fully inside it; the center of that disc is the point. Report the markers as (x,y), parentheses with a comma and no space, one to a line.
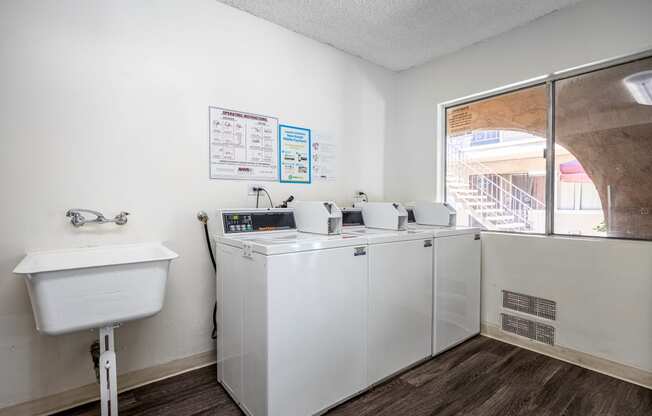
(95,356)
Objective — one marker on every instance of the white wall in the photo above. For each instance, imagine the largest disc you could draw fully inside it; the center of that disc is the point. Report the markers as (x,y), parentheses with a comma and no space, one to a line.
(104,104)
(604,288)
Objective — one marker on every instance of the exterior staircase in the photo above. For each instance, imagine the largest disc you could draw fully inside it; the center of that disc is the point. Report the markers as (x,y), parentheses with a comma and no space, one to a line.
(489,198)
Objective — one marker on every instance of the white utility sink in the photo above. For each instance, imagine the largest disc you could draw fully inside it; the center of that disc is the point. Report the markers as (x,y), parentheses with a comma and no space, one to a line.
(95,287)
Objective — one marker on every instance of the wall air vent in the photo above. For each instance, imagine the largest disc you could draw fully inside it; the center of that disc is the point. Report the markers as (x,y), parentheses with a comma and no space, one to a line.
(529,329)
(542,308)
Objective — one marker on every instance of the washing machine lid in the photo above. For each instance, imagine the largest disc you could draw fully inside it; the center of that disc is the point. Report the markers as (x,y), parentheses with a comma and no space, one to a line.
(445,231)
(293,242)
(377,235)
(455,230)
(347,229)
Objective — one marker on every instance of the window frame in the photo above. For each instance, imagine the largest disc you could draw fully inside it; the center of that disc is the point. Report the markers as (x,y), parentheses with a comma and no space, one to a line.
(549,81)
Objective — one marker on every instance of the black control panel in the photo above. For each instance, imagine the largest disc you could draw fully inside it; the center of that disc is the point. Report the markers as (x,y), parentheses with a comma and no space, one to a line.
(352,218)
(410,212)
(237,223)
(245,222)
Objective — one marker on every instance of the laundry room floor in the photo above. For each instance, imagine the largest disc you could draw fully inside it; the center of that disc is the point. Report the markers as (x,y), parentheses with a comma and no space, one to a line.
(482,377)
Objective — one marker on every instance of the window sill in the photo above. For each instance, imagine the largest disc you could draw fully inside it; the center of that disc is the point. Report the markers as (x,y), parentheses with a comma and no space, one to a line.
(568,237)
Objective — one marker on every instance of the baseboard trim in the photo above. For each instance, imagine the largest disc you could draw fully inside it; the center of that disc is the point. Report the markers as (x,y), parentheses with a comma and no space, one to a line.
(128,381)
(134,379)
(601,365)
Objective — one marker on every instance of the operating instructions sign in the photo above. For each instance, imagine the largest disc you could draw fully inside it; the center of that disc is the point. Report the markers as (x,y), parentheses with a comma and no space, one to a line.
(242,145)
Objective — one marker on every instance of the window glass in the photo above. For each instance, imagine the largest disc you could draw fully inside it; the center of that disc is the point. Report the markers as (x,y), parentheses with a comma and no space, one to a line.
(603,151)
(495,165)
(566,195)
(590,198)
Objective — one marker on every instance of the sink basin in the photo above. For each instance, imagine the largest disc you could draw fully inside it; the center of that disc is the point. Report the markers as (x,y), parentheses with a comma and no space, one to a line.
(93,287)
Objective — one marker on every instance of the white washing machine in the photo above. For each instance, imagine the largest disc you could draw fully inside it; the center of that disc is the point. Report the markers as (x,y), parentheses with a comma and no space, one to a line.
(457,274)
(292,314)
(399,330)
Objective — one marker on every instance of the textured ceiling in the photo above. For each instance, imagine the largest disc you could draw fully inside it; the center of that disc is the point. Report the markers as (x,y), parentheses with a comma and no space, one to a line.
(398,34)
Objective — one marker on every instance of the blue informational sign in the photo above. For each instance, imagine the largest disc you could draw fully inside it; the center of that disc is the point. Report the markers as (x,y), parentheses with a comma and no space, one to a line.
(294,154)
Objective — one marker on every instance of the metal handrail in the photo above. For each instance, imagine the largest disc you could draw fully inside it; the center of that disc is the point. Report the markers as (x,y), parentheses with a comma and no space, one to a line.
(508,193)
(488,170)
(498,202)
(508,185)
(507,188)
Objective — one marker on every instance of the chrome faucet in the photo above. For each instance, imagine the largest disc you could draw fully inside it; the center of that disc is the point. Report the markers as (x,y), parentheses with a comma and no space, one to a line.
(77,219)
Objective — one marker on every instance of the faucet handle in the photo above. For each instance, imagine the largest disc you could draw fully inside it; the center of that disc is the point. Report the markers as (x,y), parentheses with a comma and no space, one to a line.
(77,218)
(121,218)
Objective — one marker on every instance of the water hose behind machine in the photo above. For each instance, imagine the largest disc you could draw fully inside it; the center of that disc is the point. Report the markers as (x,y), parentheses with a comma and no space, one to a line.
(203,218)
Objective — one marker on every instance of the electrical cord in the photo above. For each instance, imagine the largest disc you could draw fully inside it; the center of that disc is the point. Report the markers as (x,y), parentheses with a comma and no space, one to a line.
(271,204)
(258,190)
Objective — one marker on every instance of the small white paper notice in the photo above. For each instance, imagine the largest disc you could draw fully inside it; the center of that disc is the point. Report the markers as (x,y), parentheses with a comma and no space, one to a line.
(242,145)
(324,159)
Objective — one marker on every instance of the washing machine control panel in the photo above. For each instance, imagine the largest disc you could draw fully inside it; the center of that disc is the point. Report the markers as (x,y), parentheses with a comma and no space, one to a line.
(247,222)
(237,223)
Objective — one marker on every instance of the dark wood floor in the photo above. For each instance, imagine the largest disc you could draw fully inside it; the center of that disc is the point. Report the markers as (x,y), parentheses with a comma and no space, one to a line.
(481,377)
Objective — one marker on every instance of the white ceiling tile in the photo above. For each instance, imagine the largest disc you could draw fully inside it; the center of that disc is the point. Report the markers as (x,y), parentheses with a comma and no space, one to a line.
(399,34)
